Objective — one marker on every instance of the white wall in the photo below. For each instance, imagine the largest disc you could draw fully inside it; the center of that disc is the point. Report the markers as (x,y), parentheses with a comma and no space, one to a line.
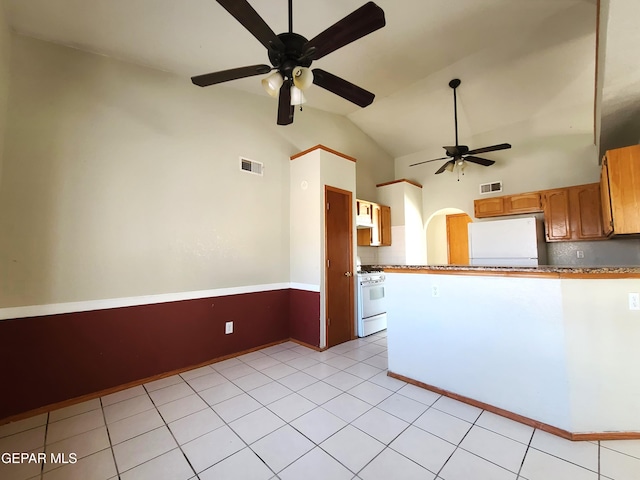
(5,55)
(121,181)
(561,351)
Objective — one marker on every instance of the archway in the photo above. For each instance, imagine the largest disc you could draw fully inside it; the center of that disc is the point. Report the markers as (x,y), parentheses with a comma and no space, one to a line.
(438,242)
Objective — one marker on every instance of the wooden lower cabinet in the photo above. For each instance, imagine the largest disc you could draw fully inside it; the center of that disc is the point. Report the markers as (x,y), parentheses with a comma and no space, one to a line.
(573,213)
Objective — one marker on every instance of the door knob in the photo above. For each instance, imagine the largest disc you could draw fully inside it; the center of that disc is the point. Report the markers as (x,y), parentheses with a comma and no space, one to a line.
(347,274)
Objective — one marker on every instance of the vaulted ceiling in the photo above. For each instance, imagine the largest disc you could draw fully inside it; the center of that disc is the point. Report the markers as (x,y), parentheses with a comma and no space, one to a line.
(495,46)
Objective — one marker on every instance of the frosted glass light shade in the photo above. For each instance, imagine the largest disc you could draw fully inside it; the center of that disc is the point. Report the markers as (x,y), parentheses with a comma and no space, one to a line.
(302,77)
(297,97)
(272,83)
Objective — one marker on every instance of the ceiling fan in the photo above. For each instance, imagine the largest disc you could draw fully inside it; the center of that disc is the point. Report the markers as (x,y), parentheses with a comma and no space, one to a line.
(291,56)
(459,154)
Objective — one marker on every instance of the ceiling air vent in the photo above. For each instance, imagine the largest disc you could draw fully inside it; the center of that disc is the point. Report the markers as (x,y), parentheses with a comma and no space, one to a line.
(491,187)
(251,166)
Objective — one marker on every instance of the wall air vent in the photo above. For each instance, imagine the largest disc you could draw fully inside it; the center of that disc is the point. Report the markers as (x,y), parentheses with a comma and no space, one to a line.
(491,187)
(251,166)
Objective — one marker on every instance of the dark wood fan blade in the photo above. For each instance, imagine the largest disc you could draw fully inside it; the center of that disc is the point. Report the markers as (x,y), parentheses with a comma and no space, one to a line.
(493,148)
(457,150)
(249,18)
(341,87)
(427,161)
(285,109)
(479,161)
(226,75)
(444,167)
(357,24)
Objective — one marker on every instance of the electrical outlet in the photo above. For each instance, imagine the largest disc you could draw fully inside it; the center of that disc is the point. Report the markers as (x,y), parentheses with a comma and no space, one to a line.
(634,301)
(580,253)
(228,328)
(435,291)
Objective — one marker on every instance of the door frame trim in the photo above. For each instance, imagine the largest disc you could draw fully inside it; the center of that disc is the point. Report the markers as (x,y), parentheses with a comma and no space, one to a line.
(349,194)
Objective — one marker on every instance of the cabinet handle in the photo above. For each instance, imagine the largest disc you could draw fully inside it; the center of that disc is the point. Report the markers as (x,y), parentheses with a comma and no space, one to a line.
(347,274)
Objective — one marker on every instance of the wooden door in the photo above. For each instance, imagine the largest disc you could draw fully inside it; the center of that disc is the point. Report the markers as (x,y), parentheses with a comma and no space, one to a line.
(339,288)
(458,239)
(556,214)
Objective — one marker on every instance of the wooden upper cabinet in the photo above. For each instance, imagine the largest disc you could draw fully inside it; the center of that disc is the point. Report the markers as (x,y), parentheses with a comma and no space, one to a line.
(621,186)
(573,213)
(586,212)
(556,214)
(607,220)
(379,234)
(489,207)
(385,226)
(508,205)
(523,203)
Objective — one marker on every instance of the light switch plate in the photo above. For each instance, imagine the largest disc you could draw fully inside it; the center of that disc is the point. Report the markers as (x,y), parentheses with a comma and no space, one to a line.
(228,328)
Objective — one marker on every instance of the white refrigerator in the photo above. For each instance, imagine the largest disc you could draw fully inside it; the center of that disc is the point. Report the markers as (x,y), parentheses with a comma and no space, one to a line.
(518,242)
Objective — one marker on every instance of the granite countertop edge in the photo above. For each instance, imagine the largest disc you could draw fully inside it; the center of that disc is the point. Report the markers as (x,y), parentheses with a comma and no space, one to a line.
(568,269)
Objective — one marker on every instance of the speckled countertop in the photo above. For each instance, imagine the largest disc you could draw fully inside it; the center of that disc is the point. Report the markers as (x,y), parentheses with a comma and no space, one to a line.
(541,270)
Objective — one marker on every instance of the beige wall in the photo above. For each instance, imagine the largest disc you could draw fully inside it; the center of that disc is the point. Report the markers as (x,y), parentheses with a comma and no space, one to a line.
(551,130)
(5,55)
(121,181)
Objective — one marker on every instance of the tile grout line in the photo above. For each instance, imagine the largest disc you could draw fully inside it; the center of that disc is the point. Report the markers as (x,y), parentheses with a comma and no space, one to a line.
(599,469)
(44,447)
(106,426)
(223,421)
(171,433)
(458,445)
(525,454)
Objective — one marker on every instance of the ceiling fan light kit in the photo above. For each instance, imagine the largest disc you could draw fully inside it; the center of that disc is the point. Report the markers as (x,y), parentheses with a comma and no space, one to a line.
(291,56)
(458,155)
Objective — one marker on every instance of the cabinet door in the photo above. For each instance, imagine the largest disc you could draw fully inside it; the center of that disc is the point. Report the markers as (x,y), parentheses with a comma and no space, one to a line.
(556,214)
(623,168)
(586,212)
(385,226)
(523,203)
(376,233)
(607,220)
(489,207)
(364,237)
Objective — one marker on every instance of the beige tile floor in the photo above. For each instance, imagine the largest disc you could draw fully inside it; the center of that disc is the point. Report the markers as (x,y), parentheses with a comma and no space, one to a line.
(292,413)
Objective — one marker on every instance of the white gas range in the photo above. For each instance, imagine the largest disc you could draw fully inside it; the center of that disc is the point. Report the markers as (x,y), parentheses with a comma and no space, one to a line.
(372,310)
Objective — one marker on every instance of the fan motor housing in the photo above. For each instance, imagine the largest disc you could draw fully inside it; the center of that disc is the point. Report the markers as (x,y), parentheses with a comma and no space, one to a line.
(293,54)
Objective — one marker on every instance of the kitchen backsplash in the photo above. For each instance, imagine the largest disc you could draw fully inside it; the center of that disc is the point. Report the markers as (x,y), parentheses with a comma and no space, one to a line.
(615,252)
(368,255)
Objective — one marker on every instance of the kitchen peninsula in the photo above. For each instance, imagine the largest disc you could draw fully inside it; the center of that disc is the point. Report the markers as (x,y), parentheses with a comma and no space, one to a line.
(554,347)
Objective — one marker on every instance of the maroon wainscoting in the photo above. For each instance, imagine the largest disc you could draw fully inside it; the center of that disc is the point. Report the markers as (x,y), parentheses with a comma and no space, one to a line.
(49,359)
(304,316)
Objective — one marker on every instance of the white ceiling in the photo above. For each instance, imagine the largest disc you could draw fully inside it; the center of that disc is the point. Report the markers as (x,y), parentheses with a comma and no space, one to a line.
(494,46)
